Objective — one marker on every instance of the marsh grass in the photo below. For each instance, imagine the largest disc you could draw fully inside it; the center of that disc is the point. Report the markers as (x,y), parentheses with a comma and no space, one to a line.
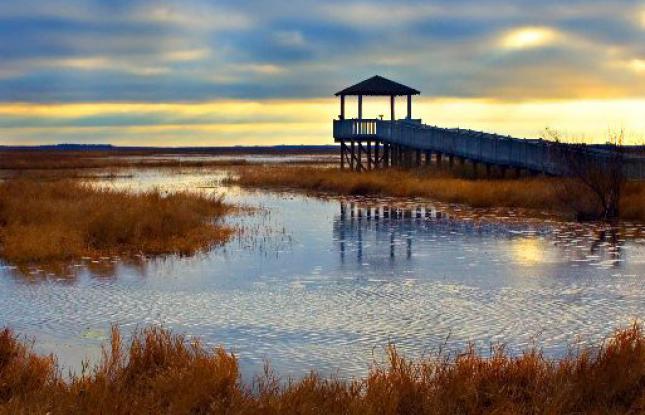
(62,220)
(540,193)
(81,160)
(158,372)
(74,162)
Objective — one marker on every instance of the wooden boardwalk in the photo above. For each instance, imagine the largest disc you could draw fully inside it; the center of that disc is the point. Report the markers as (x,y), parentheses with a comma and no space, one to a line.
(373,143)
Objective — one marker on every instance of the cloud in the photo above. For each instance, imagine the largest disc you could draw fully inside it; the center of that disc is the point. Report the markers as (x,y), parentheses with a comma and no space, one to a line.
(187,55)
(636,65)
(528,37)
(194,50)
(291,38)
(376,15)
(192,15)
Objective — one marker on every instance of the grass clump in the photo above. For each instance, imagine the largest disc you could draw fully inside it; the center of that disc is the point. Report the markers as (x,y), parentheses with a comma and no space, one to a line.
(543,193)
(43,222)
(164,373)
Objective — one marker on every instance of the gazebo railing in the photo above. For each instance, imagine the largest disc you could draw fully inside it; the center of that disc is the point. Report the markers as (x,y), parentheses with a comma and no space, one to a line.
(353,129)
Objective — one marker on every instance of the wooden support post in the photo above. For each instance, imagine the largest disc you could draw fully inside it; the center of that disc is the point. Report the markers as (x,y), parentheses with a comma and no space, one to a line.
(360,107)
(488,169)
(359,157)
(428,157)
(392,108)
(438,159)
(369,155)
(451,160)
(377,162)
(418,158)
(352,164)
(342,107)
(386,155)
(475,164)
(342,155)
(409,117)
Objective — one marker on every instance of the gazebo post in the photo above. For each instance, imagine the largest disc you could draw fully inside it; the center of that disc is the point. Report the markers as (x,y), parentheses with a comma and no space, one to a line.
(409,107)
(360,107)
(392,107)
(342,107)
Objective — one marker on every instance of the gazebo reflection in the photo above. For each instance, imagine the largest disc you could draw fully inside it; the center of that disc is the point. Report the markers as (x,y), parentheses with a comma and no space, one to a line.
(391,226)
(390,230)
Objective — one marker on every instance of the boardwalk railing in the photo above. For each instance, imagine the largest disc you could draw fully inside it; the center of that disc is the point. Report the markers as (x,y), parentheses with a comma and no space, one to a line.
(481,147)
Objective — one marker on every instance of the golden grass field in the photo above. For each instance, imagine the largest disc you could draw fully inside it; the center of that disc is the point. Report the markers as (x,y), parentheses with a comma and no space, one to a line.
(50,221)
(543,193)
(162,373)
(81,160)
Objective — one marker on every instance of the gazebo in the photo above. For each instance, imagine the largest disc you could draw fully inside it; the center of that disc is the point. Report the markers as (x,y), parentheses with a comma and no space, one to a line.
(362,144)
(377,86)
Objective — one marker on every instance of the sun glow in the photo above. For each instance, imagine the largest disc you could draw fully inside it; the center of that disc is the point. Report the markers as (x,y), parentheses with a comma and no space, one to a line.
(306,121)
(637,65)
(528,251)
(528,37)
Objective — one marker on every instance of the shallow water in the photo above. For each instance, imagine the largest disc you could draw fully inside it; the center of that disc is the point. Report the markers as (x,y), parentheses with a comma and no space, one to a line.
(326,284)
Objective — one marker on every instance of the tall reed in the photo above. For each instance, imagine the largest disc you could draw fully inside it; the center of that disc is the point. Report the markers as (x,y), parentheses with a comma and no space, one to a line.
(159,372)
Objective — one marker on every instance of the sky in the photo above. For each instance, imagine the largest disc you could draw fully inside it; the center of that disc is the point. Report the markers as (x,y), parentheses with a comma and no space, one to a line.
(263,72)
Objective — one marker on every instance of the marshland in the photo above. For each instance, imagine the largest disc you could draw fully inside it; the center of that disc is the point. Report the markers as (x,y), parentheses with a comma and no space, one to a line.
(290,261)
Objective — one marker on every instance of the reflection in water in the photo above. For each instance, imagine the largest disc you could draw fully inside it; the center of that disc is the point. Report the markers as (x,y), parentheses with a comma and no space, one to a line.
(528,251)
(311,284)
(358,223)
(386,222)
(99,268)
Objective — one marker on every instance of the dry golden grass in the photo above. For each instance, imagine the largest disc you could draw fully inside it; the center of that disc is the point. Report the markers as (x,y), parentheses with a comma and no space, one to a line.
(79,160)
(164,373)
(542,193)
(49,221)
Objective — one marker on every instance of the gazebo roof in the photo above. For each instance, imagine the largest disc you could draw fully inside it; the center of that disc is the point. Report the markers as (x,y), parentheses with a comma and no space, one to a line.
(377,85)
